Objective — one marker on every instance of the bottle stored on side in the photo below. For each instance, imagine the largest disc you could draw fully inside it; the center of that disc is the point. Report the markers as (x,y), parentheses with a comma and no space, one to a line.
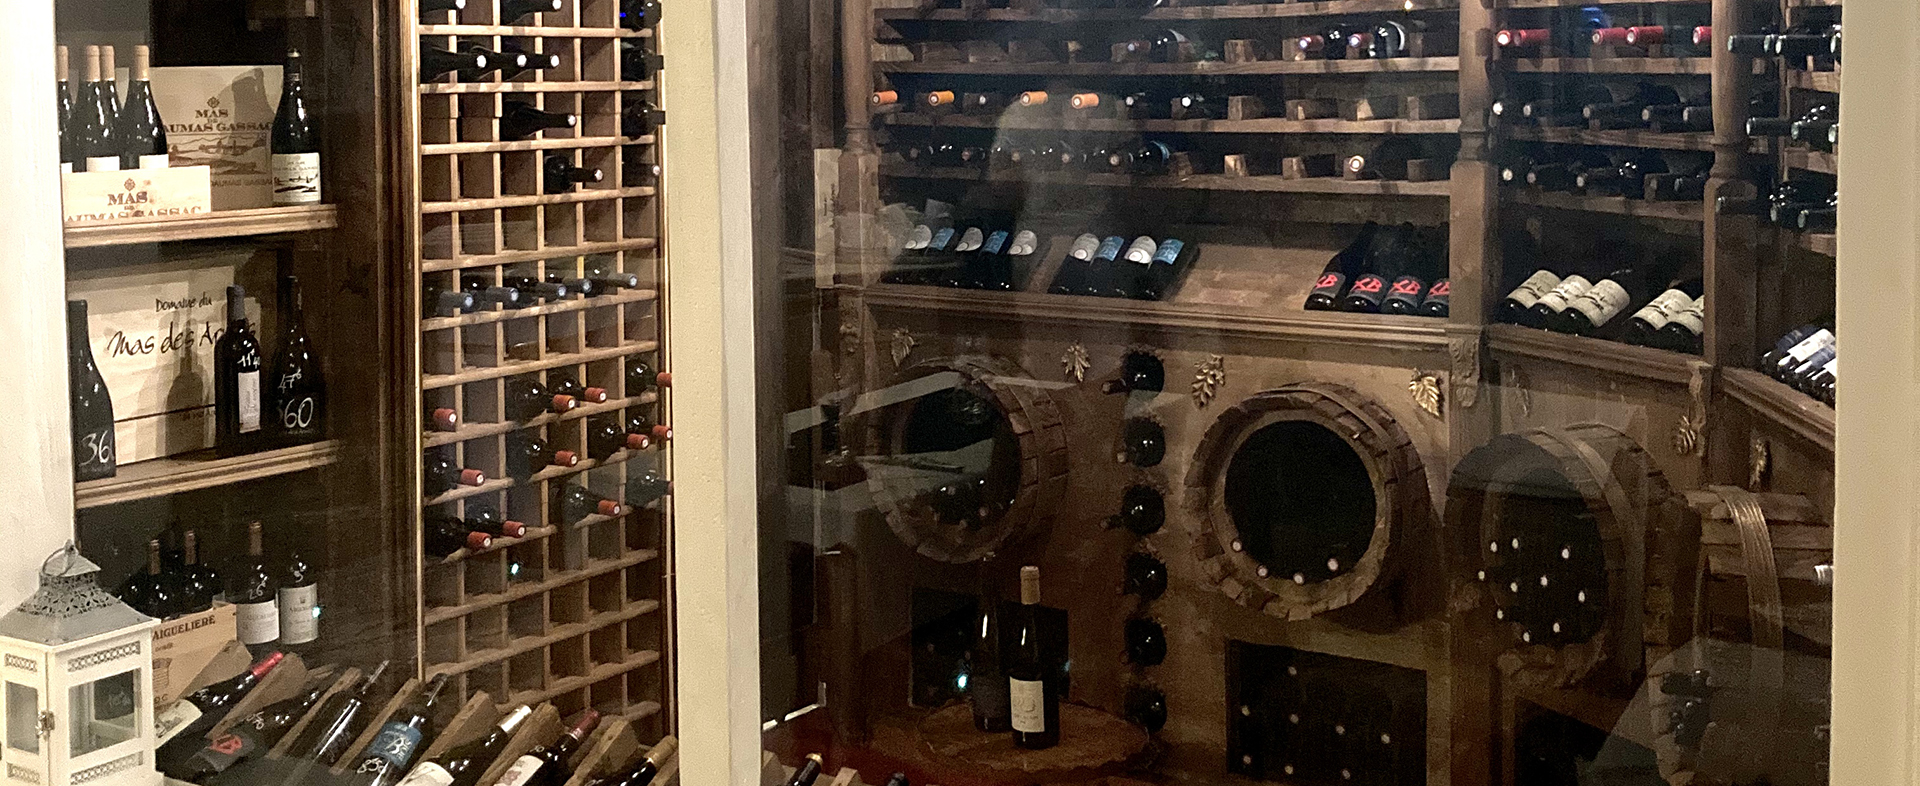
(404,734)
(464,764)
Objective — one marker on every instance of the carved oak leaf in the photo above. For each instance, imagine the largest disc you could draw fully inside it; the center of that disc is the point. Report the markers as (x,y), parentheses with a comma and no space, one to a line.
(1760,464)
(1426,392)
(1686,436)
(1207,377)
(903,343)
(1074,362)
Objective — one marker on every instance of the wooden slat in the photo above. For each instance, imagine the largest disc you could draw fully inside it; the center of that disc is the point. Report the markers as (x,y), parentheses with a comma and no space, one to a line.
(532,31)
(1208,68)
(344,682)
(538,729)
(1823,244)
(497,485)
(1690,212)
(446,88)
(1256,183)
(1609,65)
(571,303)
(468,431)
(500,544)
(1274,125)
(514,368)
(439,614)
(1824,81)
(1249,11)
(1592,354)
(601,672)
(612,746)
(1617,138)
(219,224)
(555,635)
(200,470)
(1780,405)
(472,722)
(563,143)
(536,200)
(465,261)
(1811,160)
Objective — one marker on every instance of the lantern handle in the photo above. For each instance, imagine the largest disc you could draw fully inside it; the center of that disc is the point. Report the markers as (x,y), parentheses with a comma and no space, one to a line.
(67,551)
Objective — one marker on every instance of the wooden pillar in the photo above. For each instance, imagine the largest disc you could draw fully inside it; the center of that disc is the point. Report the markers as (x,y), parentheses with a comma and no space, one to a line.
(1730,256)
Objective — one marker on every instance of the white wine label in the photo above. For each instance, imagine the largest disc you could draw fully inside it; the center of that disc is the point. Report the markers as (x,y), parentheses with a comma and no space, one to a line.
(156,161)
(1832,368)
(520,771)
(1028,699)
(103,164)
(428,774)
(250,402)
(1535,287)
(971,240)
(1570,287)
(919,238)
(1084,246)
(1602,302)
(1659,311)
(1142,250)
(1024,243)
(1692,317)
(296,178)
(298,625)
(259,622)
(173,720)
(1810,345)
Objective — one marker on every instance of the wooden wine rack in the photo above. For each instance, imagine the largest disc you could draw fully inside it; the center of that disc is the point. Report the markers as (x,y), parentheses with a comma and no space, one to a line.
(575,612)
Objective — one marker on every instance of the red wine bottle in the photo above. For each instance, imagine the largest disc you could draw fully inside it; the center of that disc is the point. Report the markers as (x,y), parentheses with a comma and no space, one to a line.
(645,486)
(546,765)
(528,455)
(294,144)
(528,399)
(650,433)
(191,717)
(299,599)
(1146,641)
(1146,576)
(443,419)
(1139,371)
(1032,686)
(482,517)
(464,764)
(442,474)
(495,61)
(407,731)
(249,737)
(202,584)
(641,377)
(438,6)
(1644,326)
(562,176)
(143,135)
(1143,442)
(436,62)
(339,721)
(577,503)
(299,395)
(445,535)
(252,591)
(238,397)
(605,438)
(521,120)
(153,591)
(643,771)
(639,14)
(89,404)
(564,383)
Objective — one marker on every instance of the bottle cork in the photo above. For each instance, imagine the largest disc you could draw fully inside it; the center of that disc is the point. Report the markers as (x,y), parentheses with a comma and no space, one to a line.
(1030,585)
(90,68)
(142,63)
(107,67)
(60,63)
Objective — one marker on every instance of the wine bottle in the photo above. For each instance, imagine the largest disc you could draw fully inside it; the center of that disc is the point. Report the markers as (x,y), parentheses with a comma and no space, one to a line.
(1821,385)
(577,503)
(1145,576)
(1197,106)
(528,455)
(88,402)
(1803,373)
(295,147)
(238,397)
(563,383)
(339,721)
(639,14)
(1685,330)
(1143,511)
(562,176)
(1386,258)
(487,294)
(645,486)
(249,737)
(1102,270)
(1597,307)
(986,682)
(203,584)
(1784,365)
(609,280)
(63,107)
(1331,287)
(489,63)
(1624,105)
(1546,311)
(807,773)
(1644,326)
(442,474)
(1146,706)
(643,771)
(641,377)
(528,399)
(531,287)
(446,302)
(1173,46)
(442,419)
(546,765)
(437,6)
(641,118)
(442,536)
(97,130)
(1517,307)
(1146,641)
(643,433)
(512,11)
(1143,442)
(605,438)
(1071,276)
(521,120)
(897,779)
(1032,686)
(1790,340)
(406,732)
(436,62)
(189,718)
(464,764)
(639,64)
(299,398)
(152,591)
(299,599)
(1139,371)
(1130,272)
(526,62)
(143,135)
(252,590)
(1425,266)
(482,517)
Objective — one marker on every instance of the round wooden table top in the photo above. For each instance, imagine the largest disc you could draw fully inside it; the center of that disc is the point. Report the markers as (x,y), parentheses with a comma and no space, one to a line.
(1092,744)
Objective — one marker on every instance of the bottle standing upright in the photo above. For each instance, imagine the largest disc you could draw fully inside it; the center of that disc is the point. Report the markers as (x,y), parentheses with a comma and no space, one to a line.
(89,403)
(986,680)
(257,605)
(299,395)
(142,133)
(299,602)
(237,391)
(1032,687)
(294,145)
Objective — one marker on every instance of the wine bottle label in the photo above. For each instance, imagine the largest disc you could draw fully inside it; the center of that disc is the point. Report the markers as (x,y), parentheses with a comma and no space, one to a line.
(1660,310)
(1142,250)
(173,720)
(971,240)
(428,774)
(1169,251)
(941,239)
(1110,248)
(1809,346)
(996,242)
(919,238)
(1692,317)
(1535,287)
(392,747)
(1407,289)
(1440,293)
(1024,243)
(249,404)
(296,178)
(103,163)
(1370,288)
(259,622)
(1084,247)
(1026,704)
(225,750)
(520,771)
(1601,302)
(156,161)
(1570,288)
(298,624)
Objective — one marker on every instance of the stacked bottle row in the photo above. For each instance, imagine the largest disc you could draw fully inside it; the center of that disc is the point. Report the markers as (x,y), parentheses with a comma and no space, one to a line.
(1632,173)
(631,14)
(1355,38)
(1303,717)
(527,284)
(276,602)
(1622,305)
(1675,30)
(1398,270)
(1012,155)
(1806,358)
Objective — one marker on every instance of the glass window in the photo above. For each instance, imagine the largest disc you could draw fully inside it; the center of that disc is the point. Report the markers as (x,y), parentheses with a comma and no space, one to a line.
(23,717)
(103,712)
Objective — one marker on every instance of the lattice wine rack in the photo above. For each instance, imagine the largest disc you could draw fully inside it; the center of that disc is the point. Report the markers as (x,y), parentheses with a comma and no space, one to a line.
(572,611)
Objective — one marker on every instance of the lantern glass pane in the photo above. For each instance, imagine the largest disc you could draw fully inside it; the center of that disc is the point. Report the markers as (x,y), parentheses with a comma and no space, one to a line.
(23,717)
(104,713)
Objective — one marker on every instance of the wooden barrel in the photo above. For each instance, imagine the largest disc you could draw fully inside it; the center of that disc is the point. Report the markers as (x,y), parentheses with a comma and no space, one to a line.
(1560,520)
(1306,498)
(975,420)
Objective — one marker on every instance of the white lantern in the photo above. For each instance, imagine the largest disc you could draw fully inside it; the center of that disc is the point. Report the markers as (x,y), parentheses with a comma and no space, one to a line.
(76,684)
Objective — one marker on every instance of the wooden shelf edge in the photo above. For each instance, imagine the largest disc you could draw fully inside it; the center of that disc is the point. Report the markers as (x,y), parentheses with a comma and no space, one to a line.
(1699,66)
(535,200)
(1615,138)
(483,430)
(1250,11)
(470,88)
(1823,244)
(437,381)
(439,614)
(1811,160)
(532,31)
(465,261)
(1689,212)
(497,485)
(1780,405)
(1418,334)
(600,673)
(1255,183)
(1823,81)
(1271,125)
(567,143)
(1294,67)
(569,304)
(200,470)
(206,226)
(1608,357)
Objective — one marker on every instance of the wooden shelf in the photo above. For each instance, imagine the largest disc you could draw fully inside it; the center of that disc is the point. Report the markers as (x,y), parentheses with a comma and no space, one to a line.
(1420,334)
(468,431)
(206,226)
(513,368)
(1608,357)
(1788,408)
(1824,244)
(1609,65)
(564,306)
(463,88)
(1212,68)
(1824,81)
(1692,212)
(1251,11)
(532,31)
(466,261)
(600,673)
(556,580)
(1811,160)
(1585,705)
(200,470)
(497,485)
(1017,120)
(570,143)
(499,544)
(535,200)
(1258,183)
(1579,3)
(1619,138)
